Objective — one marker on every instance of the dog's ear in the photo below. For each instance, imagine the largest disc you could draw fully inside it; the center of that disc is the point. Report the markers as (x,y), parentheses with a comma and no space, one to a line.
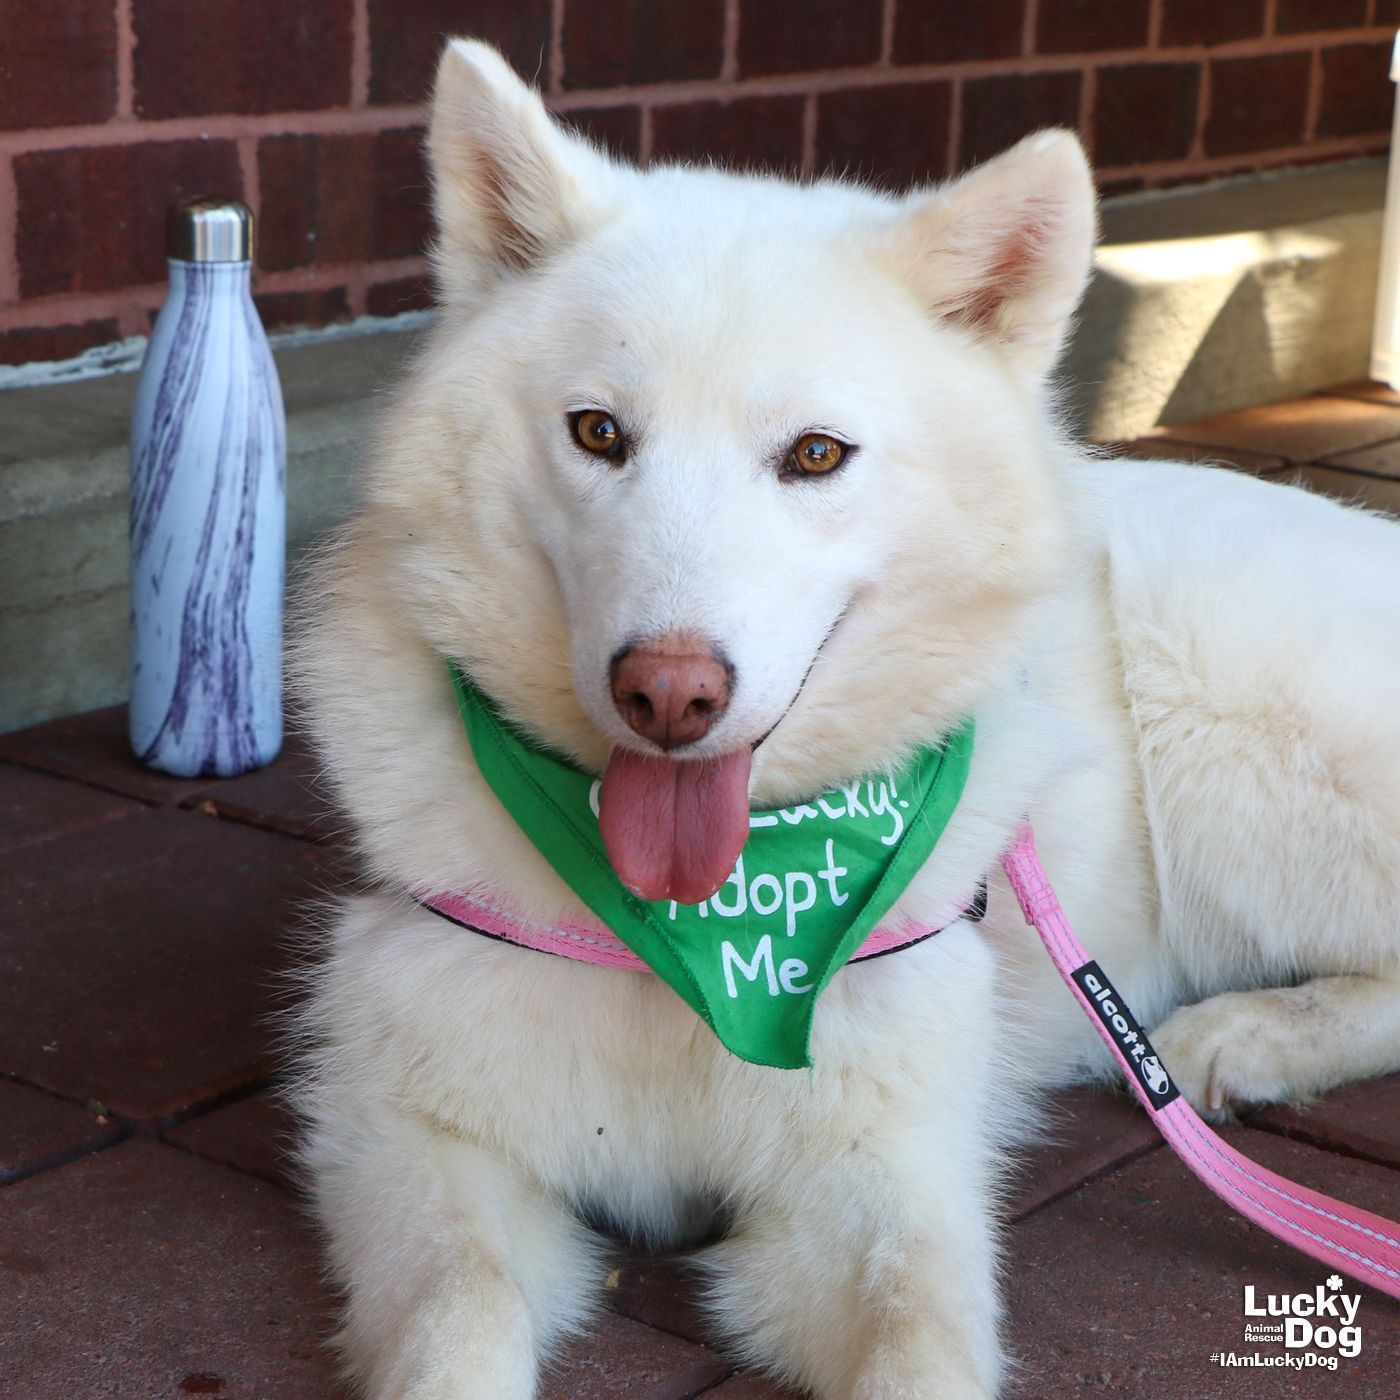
(509,185)
(1006,249)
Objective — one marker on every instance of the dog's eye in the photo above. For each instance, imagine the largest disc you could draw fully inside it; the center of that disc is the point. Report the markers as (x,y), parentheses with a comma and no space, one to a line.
(598,432)
(815,454)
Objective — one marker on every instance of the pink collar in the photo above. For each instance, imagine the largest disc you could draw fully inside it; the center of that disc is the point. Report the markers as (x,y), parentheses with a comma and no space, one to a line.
(590,941)
(1356,1242)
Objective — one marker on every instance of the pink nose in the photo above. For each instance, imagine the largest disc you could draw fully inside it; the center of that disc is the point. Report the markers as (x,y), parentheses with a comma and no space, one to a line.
(670,692)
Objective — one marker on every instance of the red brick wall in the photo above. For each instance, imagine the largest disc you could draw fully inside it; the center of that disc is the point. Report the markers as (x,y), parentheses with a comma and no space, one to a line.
(311,111)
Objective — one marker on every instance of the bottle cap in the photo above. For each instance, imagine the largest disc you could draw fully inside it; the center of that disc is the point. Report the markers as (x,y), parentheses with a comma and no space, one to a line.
(209,230)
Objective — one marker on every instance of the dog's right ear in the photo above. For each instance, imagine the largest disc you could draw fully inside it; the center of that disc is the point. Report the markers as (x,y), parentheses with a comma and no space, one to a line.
(509,185)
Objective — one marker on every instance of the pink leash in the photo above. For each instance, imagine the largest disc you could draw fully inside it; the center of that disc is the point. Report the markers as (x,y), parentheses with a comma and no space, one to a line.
(1353,1241)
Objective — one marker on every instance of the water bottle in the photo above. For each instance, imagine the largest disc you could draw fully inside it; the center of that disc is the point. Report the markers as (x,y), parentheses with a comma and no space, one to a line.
(208,512)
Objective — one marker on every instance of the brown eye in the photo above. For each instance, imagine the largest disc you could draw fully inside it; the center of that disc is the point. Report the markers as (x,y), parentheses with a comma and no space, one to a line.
(816,454)
(598,432)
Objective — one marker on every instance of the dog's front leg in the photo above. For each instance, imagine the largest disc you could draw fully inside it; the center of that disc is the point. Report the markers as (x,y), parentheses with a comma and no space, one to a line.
(870,1277)
(459,1275)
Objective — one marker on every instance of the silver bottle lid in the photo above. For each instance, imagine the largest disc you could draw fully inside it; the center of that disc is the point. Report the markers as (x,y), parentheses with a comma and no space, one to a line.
(209,230)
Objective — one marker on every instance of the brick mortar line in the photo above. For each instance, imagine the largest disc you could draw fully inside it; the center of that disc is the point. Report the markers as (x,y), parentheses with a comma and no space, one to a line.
(213,1161)
(126,63)
(887,17)
(147,804)
(131,320)
(1291,469)
(9,236)
(834,79)
(66,1157)
(1127,1159)
(1332,1149)
(729,44)
(1341,466)
(1182,433)
(41,313)
(14,1077)
(1088,101)
(127,1127)
(709,1386)
(808,164)
(1313,107)
(555,68)
(359,56)
(249,174)
(356,290)
(951,162)
(227,126)
(714,1385)
(1249,162)
(372,118)
(322,277)
(259,1082)
(339,832)
(1215,456)
(1367,446)
(65,308)
(1204,98)
(144,804)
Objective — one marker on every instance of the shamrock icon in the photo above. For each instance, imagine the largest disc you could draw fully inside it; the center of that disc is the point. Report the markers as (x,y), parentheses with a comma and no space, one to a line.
(1335,1282)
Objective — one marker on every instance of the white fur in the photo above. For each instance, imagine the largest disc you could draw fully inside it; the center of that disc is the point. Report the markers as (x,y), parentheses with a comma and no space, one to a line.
(1187,678)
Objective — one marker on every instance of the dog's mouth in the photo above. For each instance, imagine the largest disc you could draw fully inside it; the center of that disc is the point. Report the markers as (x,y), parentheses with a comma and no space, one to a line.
(675,827)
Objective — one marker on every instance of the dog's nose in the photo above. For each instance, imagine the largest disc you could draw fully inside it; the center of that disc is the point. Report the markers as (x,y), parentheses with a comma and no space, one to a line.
(669,690)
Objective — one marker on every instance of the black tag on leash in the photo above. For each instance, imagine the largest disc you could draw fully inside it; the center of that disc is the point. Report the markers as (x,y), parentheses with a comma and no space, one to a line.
(1130,1037)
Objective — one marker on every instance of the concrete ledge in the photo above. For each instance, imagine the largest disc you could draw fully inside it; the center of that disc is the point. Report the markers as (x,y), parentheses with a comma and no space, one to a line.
(1203,301)
(1245,292)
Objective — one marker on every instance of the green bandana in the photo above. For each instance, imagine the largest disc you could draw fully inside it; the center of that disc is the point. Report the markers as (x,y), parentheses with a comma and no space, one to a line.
(812,882)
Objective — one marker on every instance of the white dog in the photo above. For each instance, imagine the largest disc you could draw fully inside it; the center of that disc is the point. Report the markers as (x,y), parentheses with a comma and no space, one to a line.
(693,461)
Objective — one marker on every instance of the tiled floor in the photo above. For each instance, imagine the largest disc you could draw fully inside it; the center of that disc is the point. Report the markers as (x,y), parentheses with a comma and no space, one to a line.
(150,1246)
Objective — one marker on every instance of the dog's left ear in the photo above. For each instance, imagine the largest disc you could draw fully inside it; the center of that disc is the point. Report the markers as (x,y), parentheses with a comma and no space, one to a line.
(1006,249)
(510,185)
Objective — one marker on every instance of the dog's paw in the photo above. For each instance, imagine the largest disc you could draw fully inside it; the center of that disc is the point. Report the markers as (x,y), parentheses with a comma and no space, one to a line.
(1233,1051)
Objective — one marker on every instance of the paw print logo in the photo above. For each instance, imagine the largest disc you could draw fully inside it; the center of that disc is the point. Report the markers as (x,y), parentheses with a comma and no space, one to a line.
(1335,1282)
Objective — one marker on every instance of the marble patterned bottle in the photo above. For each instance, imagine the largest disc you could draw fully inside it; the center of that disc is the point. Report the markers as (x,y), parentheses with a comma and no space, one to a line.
(208,512)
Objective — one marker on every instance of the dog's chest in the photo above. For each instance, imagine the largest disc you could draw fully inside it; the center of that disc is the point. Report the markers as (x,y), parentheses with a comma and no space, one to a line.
(615,1092)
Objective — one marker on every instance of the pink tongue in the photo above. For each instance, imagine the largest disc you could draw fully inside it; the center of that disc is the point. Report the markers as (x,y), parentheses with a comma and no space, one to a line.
(674,830)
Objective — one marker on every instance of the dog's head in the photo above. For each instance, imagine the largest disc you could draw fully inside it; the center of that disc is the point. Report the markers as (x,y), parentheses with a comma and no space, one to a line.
(696,462)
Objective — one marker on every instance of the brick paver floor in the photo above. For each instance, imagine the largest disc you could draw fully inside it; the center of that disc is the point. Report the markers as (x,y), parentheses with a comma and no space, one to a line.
(150,1245)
